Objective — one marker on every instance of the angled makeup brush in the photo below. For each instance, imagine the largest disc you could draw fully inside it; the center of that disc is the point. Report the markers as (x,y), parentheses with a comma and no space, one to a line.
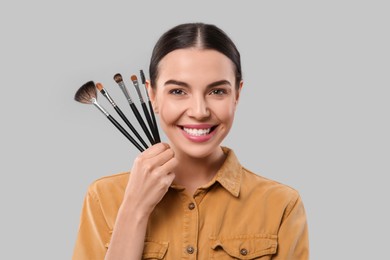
(104,92)
(156,134)
(87,94)
(118,79)
(144,108)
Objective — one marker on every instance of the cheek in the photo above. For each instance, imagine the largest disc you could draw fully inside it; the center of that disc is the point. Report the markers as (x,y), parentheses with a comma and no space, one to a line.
(225,112)
(169,112)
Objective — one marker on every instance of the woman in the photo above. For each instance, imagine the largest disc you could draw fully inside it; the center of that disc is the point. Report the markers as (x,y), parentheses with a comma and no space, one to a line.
(191,198)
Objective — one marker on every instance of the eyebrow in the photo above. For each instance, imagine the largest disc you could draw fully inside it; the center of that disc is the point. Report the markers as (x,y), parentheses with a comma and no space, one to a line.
(184,84)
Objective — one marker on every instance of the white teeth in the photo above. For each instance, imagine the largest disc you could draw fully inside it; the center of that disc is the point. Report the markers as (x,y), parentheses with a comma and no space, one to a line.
(196,132)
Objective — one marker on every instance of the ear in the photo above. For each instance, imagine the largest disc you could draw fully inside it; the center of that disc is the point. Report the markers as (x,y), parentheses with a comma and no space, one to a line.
(152,96)
(238,90)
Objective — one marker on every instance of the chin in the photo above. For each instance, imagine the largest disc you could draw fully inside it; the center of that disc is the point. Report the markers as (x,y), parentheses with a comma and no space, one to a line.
(197,152)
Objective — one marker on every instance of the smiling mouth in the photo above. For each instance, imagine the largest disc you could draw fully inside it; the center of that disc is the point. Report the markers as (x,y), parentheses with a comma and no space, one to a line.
(197,131)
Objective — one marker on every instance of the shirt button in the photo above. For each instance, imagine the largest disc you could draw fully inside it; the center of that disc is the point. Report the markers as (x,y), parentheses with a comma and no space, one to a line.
(243,251)
(191,206)
(190,249)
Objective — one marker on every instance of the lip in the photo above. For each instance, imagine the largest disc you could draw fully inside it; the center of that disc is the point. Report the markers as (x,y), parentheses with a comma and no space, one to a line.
(198,126)
(201,138)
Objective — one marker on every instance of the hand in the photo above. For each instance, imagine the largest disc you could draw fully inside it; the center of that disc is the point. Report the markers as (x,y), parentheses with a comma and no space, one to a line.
(150,177)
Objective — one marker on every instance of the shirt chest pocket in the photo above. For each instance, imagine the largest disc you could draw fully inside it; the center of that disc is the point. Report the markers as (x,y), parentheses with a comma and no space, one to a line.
(154,250)
(243,247)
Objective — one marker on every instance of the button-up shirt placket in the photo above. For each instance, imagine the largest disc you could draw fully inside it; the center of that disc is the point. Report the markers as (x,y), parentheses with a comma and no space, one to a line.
(190,227)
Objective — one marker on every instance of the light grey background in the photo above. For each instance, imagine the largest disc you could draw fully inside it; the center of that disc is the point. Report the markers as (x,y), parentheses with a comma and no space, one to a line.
(314,112)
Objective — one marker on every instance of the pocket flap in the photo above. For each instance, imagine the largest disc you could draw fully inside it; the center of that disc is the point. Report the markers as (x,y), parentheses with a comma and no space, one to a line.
(246,246)
(154,250)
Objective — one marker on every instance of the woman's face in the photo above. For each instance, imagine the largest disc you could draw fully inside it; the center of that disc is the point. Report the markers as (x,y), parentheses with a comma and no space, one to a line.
(196,98)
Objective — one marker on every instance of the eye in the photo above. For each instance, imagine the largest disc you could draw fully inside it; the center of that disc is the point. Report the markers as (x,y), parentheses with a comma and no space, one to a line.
(177,92)
(218,91)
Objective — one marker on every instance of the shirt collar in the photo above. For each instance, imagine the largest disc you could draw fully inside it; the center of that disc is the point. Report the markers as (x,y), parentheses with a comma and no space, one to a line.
(230,173)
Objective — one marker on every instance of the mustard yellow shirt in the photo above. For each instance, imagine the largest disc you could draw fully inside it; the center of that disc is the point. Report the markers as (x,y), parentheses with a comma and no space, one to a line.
(238,215)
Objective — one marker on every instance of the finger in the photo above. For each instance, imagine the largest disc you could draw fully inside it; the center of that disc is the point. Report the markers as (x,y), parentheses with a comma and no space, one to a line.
(162,158)
(154,150)
(152,164)
(165,175)
(168,179)
(168,167)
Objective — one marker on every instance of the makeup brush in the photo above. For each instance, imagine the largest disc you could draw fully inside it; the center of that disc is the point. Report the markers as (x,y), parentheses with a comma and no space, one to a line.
(156,134)
(104,92)
(144,108)
(87,94)
(118,79)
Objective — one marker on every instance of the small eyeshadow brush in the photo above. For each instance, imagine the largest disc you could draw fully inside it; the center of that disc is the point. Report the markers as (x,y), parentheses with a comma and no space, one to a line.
(87,94)
(119,80)
(157,135)
(144,108)
(105,93)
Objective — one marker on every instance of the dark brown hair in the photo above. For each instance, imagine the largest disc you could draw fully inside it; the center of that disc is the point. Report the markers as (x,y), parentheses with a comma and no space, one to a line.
(200,35)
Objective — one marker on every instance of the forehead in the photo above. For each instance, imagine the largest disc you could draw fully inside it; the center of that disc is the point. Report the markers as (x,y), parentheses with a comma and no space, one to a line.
(193,63)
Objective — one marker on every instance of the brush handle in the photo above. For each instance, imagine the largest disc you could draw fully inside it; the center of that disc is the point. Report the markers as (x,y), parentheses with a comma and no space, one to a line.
(120,128)
(156,134)
(120,113)
(142,123)
(149,120)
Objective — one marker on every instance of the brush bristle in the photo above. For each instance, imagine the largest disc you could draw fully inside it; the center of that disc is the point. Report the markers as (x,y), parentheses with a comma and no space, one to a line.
(118,78)
(86,93)
(99,86)
(142,76)
(133,78)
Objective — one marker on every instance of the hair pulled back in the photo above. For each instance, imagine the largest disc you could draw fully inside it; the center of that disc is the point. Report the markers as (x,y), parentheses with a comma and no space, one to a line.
(198,35)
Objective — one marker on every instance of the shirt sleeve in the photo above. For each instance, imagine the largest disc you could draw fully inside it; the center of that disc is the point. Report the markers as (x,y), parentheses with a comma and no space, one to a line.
(293,241)
(94,233)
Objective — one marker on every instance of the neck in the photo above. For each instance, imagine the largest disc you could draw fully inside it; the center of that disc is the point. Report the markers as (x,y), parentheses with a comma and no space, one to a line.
(193,173)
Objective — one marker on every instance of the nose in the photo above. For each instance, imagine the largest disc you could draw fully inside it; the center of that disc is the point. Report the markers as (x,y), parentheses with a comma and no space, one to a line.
(198,108)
